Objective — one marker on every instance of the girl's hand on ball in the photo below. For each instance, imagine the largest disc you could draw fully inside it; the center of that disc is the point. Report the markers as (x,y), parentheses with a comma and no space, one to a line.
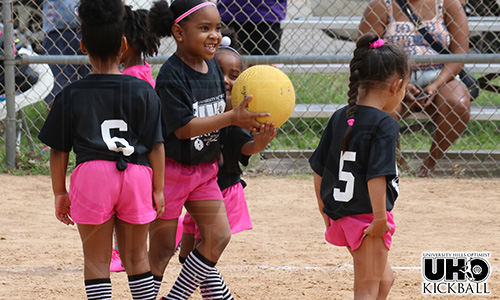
(243,118)
(264,135)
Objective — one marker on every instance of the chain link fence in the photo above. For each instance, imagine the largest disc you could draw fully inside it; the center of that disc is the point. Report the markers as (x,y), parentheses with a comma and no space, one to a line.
(313,40)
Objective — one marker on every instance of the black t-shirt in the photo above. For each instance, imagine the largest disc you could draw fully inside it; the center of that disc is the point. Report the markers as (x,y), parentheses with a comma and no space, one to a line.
(186,94)
(232,139)
(371,153)
(105,117)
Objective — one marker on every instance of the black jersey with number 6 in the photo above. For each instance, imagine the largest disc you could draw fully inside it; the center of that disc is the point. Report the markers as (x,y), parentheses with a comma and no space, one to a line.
(105,117)
(371,153)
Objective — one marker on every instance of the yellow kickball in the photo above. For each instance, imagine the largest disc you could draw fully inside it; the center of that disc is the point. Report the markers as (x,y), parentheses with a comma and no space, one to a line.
(272,92)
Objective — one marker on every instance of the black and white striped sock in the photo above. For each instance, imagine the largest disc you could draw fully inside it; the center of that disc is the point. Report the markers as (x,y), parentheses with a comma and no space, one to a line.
(194,271)
(98,289)
(214,287)
(157,283)
(141,286)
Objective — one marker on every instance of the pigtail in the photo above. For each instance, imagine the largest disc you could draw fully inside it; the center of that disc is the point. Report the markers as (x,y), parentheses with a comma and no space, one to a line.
(160,19)
(352,101)
(231,44)
(137,33)
(231,33)
(354,83)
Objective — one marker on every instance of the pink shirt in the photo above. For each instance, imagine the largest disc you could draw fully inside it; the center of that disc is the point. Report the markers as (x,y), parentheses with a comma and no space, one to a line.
(141,72)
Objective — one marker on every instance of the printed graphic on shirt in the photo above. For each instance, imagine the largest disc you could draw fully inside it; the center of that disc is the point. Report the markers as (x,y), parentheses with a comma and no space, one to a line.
(207,108)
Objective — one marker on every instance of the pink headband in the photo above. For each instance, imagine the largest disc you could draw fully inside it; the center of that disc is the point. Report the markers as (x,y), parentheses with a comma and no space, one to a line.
(192,10)
(378,43)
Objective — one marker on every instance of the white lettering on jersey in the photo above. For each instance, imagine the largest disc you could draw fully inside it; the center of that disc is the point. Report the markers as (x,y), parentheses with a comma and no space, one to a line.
(116,144)
(346,195)
(209,107)
(195,109)
(395,180)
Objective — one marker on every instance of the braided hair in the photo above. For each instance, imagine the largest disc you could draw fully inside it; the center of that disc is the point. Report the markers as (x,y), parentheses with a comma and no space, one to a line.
(371,66)
(137,33)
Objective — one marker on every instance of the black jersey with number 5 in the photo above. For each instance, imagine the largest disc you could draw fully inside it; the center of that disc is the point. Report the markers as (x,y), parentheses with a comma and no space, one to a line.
(105,117)
(371,153)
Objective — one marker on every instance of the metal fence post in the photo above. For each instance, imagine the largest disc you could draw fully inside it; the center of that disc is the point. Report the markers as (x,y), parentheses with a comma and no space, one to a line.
(9,62)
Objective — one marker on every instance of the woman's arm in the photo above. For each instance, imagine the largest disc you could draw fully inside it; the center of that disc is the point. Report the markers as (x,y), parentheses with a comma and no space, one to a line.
(458,27)
(374,18)
(239,116)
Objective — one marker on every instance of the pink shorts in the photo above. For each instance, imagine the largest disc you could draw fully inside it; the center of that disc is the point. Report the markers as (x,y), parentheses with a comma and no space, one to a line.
(349,231)
(236,209)
(98,191)
(188,183)
(189,225)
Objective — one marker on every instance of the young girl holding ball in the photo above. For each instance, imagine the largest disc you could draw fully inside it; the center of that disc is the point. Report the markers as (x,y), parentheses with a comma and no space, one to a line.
(237,146)
(191,87)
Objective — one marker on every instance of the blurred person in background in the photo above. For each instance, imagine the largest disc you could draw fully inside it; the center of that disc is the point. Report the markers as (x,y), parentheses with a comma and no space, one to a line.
(62,27)
(256,22)
(448,99)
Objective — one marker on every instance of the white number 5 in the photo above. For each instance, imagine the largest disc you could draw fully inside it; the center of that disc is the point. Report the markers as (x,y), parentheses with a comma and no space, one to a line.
(112,142)
(345,196)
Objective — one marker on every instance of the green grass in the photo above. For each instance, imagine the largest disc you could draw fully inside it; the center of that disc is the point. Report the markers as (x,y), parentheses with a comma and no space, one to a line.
(479,135)
(319,88)
(30,161)
(332,88)
(486,97)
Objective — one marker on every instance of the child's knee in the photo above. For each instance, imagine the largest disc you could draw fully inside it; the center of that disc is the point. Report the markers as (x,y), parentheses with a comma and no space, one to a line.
(225,237)
(161,251)
(388,279)
(222,237)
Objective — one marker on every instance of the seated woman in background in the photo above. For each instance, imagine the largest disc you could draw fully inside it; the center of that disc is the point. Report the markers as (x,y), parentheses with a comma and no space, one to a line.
(448,100)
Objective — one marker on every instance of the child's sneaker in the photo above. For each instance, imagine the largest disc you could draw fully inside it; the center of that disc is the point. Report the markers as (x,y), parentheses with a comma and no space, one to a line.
(116,262)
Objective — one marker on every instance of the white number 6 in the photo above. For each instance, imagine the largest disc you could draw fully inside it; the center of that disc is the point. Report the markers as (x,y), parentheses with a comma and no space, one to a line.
(111,142)
(345,196)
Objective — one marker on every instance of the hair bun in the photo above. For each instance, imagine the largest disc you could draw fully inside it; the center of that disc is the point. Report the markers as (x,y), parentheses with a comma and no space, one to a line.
(226,41)
(101,12)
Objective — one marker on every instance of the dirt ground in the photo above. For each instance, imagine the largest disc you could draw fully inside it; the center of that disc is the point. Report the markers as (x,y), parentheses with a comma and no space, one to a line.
(283,257)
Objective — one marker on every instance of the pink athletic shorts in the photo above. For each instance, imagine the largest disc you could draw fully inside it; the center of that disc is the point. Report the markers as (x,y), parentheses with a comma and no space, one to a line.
(98,191)
(189,225)
(188,183)
(349,231)
(236,209)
